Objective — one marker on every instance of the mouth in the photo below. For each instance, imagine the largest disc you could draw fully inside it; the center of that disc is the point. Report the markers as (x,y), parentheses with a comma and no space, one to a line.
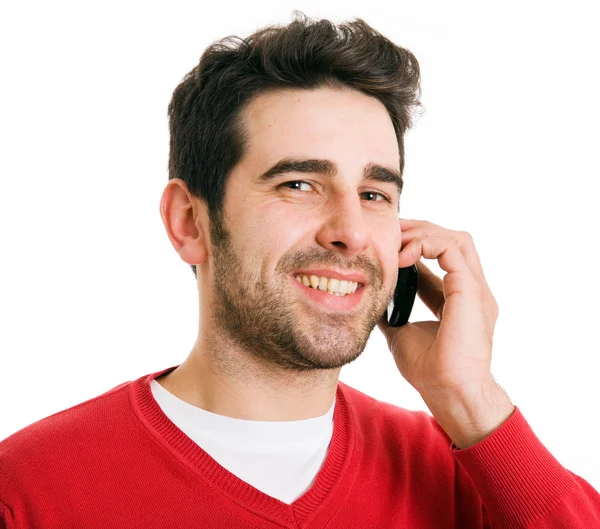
(329,293)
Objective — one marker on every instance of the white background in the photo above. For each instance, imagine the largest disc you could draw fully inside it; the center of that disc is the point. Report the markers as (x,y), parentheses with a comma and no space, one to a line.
(92,293)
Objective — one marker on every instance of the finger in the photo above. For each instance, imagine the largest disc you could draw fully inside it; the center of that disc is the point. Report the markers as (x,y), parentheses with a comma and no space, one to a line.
(463,303)
(424,229)
(415,228)
(407,224)
(449,256)
(385,328)
(430,289)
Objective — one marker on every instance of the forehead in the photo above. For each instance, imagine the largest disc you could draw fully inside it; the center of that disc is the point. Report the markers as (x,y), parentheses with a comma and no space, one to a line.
(345,126)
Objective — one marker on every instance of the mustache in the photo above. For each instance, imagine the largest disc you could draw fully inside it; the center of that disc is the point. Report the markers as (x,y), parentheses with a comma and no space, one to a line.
(314,257)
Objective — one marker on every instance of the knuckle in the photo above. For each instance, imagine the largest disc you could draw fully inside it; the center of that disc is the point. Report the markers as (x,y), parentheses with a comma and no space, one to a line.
(465,235)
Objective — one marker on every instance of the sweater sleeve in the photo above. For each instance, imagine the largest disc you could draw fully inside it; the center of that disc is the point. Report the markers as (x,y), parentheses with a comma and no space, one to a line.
(6,519)
(522,486)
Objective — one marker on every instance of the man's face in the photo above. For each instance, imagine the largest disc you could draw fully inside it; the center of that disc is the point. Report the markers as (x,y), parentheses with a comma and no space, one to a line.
(278,228)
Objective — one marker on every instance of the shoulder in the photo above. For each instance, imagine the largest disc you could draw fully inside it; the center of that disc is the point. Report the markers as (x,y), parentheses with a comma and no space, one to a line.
(43,448)
(394,423)
(401,442)
(65,421)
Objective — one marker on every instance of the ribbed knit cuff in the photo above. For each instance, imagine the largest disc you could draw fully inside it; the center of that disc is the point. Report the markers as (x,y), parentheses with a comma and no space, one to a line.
(518,479)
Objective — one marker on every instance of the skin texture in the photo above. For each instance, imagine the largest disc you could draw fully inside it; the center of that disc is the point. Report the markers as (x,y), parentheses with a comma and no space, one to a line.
(264,350)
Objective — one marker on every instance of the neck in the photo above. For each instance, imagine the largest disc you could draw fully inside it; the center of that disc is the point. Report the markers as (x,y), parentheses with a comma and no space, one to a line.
(220,377)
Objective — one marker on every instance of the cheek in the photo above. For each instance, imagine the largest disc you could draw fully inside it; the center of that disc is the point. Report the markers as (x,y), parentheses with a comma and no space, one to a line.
(388,246)
(279,227)
(268,235)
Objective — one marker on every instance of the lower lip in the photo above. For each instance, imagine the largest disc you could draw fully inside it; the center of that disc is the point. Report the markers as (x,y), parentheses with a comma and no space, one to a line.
(330,301)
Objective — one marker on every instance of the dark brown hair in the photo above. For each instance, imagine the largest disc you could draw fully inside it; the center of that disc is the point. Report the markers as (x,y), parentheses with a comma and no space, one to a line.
(207,138)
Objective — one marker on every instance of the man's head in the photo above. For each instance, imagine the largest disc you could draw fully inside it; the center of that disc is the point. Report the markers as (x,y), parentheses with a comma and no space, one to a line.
(313,102)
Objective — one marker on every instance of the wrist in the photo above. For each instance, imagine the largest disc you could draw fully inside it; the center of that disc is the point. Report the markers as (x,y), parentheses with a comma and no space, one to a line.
(469,413)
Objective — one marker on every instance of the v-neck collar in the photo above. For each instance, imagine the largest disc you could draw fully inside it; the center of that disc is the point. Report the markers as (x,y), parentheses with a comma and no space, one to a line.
(315,506)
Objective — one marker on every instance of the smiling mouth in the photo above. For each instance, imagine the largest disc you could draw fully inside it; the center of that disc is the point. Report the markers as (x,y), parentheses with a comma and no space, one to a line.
(328,301)
(335,287)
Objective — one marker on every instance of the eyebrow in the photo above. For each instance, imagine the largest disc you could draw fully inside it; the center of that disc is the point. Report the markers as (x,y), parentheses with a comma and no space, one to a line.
(372,171)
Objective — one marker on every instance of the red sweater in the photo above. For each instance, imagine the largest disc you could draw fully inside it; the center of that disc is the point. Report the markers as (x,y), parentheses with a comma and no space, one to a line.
(117,461)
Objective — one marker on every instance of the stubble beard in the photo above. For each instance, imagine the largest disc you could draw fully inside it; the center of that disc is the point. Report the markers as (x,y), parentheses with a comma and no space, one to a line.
(266,319)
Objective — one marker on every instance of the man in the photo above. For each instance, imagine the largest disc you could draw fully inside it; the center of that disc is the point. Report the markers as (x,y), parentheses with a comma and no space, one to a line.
(286,170)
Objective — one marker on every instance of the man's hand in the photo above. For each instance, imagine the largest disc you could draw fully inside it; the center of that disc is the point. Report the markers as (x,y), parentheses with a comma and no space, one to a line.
(448,361)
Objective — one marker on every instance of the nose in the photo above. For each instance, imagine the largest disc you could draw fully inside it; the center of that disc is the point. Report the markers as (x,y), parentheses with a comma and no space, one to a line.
(345,230)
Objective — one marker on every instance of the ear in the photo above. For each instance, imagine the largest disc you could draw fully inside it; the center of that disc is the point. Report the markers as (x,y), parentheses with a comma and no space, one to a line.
(186,221)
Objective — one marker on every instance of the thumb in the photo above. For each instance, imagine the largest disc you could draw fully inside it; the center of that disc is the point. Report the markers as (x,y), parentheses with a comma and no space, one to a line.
(386,329)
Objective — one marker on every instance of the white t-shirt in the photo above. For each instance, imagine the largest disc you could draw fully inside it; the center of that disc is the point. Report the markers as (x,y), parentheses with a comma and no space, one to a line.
(279,458)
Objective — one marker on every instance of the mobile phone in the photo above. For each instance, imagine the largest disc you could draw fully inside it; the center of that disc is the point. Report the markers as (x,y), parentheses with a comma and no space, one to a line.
(403,300)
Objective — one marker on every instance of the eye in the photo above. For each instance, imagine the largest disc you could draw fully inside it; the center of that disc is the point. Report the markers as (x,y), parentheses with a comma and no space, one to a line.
(292,184)
(384,197)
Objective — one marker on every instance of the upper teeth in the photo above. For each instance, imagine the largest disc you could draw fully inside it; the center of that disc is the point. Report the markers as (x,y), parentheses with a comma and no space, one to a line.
(334,286)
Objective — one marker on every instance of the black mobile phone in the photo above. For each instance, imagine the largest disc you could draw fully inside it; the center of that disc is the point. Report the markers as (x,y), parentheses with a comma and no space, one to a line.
(403,300)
